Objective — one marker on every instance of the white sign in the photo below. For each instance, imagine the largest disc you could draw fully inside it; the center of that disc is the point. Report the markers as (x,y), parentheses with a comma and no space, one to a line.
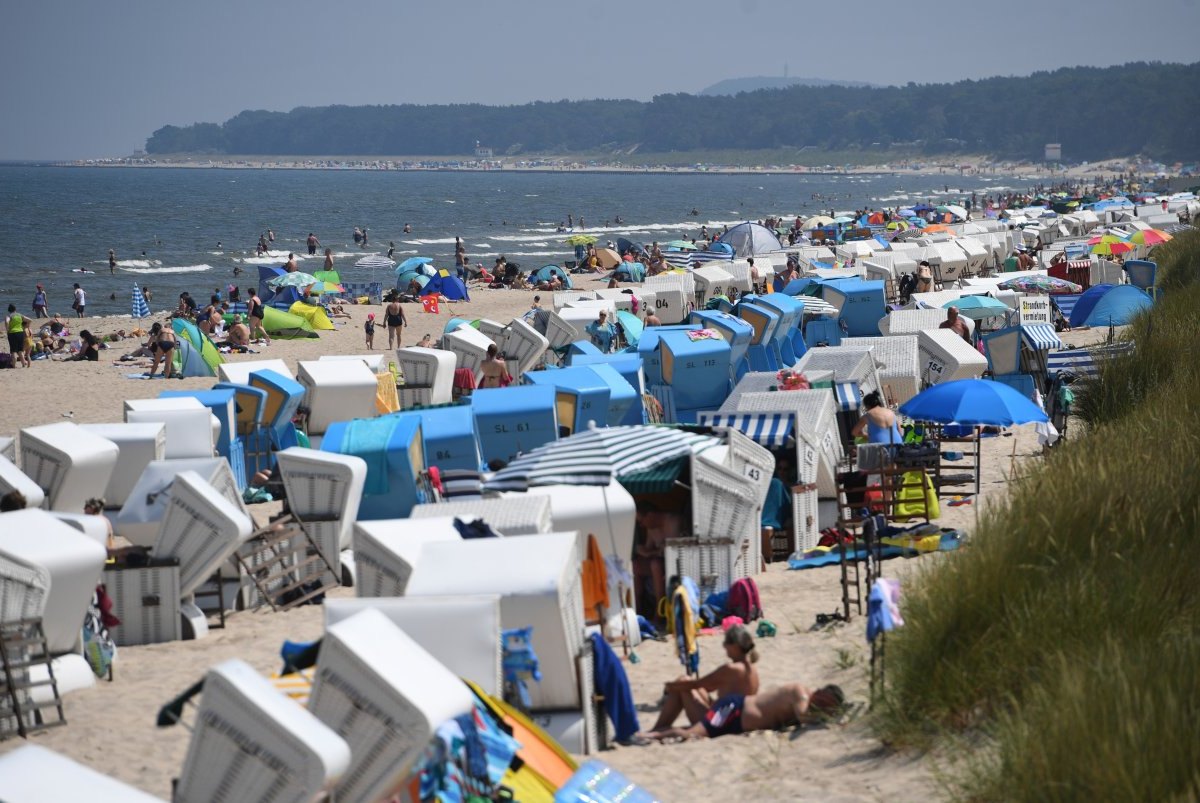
(1035,309)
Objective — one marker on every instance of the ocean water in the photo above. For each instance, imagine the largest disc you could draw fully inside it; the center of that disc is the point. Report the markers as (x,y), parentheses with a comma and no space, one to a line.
(178,229)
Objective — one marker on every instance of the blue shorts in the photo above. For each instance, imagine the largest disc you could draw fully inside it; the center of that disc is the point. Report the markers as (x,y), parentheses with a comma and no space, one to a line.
(725,716)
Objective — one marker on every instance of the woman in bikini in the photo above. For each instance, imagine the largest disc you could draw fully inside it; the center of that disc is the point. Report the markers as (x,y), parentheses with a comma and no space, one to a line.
(494,370)
(163,343)
(254,315)
(694,696)
(394,318)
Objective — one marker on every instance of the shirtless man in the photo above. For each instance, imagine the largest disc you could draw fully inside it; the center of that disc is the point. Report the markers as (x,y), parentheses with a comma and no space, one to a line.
(239,335)
(955,324)
(778,707)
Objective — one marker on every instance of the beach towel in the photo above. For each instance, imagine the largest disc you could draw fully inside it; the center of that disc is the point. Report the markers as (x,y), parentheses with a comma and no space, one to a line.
(946,540)
(613,683)
(595,580)
(519,661)
(883,607)
(368,438)
(681,620)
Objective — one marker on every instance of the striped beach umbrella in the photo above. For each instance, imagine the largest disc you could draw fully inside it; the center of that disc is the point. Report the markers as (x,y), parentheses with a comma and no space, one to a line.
(140,308)
(598,456)
(817,306)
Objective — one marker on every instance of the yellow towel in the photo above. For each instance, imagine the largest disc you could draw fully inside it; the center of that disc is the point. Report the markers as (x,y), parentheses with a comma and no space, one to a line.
(386,399)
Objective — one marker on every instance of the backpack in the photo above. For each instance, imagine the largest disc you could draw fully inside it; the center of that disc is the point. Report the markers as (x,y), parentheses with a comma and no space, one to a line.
(744,601)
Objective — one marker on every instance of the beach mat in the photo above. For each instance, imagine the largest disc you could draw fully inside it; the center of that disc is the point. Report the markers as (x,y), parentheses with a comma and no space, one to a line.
(893,547)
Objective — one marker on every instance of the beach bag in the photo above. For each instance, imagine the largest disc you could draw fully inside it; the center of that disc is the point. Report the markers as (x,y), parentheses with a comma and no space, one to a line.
(6,360)
(744,600)
(99,649)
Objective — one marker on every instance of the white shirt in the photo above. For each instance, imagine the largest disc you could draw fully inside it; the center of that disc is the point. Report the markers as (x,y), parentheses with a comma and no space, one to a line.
(80,297)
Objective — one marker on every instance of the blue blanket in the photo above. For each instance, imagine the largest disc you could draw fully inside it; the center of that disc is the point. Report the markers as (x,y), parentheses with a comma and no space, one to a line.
(613,683)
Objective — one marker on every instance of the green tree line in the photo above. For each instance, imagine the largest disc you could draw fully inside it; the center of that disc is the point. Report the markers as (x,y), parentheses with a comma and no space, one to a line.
(1096,113)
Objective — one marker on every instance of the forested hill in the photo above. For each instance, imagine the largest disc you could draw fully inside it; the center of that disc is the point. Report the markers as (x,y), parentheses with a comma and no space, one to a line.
(1096,113)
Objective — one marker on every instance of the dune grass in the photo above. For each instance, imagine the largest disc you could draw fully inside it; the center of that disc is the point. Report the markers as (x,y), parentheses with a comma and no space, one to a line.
(1064,645)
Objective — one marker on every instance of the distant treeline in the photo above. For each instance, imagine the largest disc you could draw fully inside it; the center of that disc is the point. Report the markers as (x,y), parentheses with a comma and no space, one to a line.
(1139,108)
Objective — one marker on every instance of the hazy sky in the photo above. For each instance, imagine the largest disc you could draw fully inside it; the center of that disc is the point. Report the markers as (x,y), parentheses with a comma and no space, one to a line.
(84,79)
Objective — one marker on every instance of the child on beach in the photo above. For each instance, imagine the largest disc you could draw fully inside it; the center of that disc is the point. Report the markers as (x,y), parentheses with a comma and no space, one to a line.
(369,328)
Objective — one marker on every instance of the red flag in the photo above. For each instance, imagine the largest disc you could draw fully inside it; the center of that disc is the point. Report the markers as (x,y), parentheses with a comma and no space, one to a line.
(430,303)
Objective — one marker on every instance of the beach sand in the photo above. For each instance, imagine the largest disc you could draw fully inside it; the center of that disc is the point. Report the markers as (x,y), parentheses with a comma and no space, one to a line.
(111,726)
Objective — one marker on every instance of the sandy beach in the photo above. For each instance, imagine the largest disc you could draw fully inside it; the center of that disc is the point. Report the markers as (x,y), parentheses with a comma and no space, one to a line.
(111,726)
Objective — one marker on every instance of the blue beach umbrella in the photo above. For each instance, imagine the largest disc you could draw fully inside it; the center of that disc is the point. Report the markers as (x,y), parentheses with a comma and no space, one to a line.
(973,403)
(140,308)
(978,307)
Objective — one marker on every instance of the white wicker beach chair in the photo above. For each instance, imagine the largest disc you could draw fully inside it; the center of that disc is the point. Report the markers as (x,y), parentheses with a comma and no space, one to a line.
(386,551)
(474,653)
(33,774)
(385,695)
(69,464)
(250,742)
(540,586)
(324,490)
(513,515)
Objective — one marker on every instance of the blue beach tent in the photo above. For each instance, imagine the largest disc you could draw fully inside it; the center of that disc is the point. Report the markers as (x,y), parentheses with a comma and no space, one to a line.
(547,272)
(1109,305)
(451,287)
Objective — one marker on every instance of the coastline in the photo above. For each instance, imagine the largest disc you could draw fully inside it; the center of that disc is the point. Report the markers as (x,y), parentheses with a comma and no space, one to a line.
(969,165)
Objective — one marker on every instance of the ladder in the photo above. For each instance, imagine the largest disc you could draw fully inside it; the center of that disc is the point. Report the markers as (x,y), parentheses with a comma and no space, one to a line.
(285,565)
(23,648)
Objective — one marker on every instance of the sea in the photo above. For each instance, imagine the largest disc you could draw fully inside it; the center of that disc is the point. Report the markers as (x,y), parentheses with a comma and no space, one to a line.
(176,229)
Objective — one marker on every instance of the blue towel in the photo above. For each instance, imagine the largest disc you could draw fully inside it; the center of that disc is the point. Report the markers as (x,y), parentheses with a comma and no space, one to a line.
(368,438)
(612,682)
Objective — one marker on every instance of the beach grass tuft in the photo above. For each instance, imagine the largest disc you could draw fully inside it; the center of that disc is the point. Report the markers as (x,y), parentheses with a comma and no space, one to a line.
(1063,644)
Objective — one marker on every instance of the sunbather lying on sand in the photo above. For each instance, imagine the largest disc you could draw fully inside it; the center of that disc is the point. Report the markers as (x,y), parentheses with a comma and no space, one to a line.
(792,704)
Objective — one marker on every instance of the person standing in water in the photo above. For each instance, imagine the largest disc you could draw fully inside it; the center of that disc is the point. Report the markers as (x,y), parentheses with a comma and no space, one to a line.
(112,261)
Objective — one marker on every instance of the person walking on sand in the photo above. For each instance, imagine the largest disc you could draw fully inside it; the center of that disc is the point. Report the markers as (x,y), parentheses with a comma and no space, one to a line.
(80,305)
(40,306)
(112,261)
(254,314)
(394,318)
(14,325)
(369,328)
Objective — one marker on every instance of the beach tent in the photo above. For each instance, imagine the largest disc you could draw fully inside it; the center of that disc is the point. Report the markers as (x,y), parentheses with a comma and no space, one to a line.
(630,272)
(451,287)
(313,313)
(608,258)
(624,245)
(1109,305)
(547,272)
(748,239)
(200,344)
(286,325)
(265,274)
(403,280)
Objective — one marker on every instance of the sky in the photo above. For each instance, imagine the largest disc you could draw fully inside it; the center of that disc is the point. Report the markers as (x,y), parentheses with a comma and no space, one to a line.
(85,79)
